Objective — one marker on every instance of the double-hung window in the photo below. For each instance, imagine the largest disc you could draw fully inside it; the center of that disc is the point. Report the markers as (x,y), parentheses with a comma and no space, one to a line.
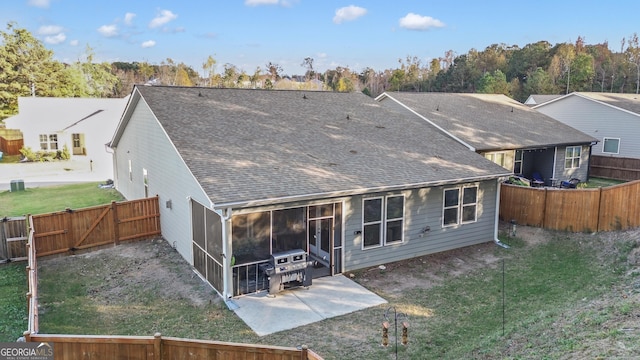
(48,142)
(572,157)
(460,206)
(382,221)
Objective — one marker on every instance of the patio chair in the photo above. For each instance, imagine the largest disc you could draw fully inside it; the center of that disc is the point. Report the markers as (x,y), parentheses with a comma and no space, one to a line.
(537,179)
(570,184)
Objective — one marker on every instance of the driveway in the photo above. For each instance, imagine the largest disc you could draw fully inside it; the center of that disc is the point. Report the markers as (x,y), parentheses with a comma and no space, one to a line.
(37,174)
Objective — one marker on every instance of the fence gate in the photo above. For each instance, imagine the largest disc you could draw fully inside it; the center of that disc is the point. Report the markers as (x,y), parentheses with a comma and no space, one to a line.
(13,238)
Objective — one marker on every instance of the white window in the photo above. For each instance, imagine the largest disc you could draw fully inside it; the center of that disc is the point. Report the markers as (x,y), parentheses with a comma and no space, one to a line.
(499,158)
(48,142)
(130,172)
(572,157)
(611,145)
(382,221)
(460,206)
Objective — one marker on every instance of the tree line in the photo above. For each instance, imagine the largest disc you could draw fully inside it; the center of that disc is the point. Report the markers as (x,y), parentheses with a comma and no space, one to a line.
(28,68)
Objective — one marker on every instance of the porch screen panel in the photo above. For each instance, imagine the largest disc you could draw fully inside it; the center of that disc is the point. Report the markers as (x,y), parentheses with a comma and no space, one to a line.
(289,230)
(197,221)
(199,260)
(251,234)
(214,235)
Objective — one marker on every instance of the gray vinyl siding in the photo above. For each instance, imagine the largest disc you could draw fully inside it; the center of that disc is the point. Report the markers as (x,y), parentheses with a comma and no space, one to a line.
(147,146)
(599,121)
(566,174)
(423,207)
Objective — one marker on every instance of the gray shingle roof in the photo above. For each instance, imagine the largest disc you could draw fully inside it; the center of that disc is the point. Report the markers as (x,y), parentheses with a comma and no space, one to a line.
(247,145)
(491,122)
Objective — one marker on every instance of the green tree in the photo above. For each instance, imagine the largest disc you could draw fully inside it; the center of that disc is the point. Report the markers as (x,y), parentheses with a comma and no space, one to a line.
(96,79)
(28,68)
(209,69)
(538,82)
(495,83)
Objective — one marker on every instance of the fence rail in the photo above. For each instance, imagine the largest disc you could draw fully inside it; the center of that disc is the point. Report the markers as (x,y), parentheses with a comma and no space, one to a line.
(579,210)
(158,347)
(11,141)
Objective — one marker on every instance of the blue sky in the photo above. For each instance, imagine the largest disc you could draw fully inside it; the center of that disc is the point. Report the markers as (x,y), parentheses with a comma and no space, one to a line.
(354,34)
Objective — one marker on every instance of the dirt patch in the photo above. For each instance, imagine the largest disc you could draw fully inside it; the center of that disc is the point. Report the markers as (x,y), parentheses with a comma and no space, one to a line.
(130,269)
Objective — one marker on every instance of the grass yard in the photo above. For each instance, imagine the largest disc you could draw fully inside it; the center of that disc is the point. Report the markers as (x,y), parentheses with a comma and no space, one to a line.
(13,301)
(565,296)
(41,200)
(602,182)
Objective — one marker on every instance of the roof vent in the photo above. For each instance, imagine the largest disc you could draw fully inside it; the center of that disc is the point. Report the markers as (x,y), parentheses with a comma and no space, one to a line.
(348,117)
(199,94)
(438,107)
(304,96)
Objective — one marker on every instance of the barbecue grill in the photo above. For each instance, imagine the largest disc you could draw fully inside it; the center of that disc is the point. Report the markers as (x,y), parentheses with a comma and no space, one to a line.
(288,269)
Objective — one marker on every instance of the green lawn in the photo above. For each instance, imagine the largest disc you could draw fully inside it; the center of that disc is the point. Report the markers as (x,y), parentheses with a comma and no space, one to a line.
(55,198)
(595,182)
(13,301)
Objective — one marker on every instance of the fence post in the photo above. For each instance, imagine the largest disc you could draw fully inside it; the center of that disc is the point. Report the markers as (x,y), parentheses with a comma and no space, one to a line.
(116,226)
(27,336)
(304,354)
(157,346)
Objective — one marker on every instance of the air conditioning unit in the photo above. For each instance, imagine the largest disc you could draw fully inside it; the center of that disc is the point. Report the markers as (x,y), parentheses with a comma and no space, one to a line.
(17,185)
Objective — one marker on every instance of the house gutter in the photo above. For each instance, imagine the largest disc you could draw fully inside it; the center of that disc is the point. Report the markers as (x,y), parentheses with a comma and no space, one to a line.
(305,197)
(497,220)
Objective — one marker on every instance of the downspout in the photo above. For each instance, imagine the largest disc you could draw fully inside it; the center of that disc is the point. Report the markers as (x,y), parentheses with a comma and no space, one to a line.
(497,220)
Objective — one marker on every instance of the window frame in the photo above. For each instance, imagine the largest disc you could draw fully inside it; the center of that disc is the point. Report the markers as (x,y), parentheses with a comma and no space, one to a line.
(460,205)
(383,222)
(572,158)
(604,145)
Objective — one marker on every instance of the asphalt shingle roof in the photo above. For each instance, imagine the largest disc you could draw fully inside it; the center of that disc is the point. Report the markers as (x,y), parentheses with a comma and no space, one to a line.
(246,145)
(491,122)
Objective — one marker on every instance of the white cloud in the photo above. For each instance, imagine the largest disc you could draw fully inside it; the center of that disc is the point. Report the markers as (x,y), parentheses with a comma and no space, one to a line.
(322,55)
(163,17)
(74,42)
(418,22)
(39,3)
(261,2)
(148,44)
(49,30)
(348,13)
(55,39)
(108,30)
(128,18)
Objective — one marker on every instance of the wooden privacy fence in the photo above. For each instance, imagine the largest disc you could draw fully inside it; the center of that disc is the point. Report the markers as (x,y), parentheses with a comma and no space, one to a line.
(158,347)
(71,230)
(13,239)
(11,141)
(614,167)
(578,210)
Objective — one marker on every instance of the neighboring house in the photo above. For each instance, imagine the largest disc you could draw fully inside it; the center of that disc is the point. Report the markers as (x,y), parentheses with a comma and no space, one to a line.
(83,125)
(503,130)
(613,119)
(534,100)
(243,174)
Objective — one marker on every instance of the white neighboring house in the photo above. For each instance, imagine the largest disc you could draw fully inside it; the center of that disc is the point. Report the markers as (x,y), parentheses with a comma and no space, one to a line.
(83,125)
(613,119)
